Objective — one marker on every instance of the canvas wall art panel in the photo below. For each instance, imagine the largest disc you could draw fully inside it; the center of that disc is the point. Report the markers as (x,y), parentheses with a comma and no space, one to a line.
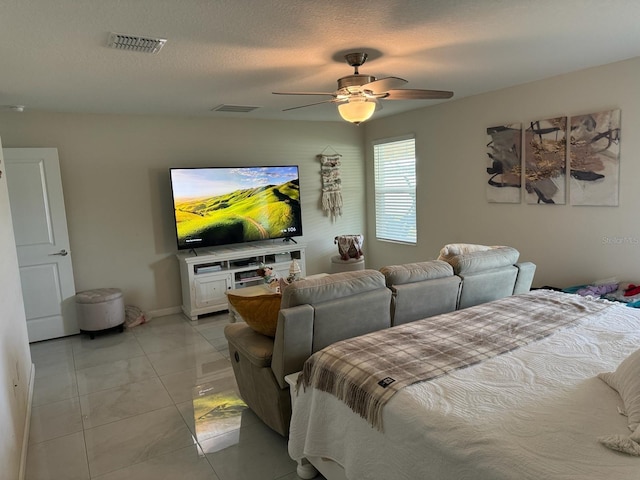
(504,170)
(594,159)
(546,161)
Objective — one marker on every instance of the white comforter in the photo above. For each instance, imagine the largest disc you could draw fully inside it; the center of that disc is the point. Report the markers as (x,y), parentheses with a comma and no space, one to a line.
(534,413)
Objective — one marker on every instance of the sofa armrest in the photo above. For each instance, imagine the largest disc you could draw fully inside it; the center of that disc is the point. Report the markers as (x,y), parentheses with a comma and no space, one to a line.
(526,271)
(257,348)
(293,341)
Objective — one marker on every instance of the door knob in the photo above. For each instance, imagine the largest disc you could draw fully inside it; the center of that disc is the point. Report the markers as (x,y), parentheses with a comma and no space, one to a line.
(62,253)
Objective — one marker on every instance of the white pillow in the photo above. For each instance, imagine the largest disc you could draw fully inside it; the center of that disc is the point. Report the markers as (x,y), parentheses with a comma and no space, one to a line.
(626,381)
(452,249)
(620,443)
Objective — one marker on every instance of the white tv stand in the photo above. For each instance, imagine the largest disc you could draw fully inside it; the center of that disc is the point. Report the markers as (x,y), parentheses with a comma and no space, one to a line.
(209,274)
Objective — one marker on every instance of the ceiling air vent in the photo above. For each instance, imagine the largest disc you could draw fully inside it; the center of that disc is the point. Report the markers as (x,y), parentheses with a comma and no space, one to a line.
(234,108)
(135,43)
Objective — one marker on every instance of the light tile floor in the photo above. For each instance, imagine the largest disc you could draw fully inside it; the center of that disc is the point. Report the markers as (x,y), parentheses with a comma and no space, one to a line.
(157,402)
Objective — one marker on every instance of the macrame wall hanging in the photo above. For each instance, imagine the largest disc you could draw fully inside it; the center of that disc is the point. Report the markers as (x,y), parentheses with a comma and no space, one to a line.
(331,184)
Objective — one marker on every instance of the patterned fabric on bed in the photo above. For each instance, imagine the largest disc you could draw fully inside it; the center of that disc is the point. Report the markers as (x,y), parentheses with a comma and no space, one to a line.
(365,372)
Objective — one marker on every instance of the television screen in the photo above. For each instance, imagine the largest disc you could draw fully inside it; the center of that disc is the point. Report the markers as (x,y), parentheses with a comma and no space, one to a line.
(220,206)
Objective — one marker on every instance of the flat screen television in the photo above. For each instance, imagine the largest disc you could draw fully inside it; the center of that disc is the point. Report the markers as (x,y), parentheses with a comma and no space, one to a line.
(221,206)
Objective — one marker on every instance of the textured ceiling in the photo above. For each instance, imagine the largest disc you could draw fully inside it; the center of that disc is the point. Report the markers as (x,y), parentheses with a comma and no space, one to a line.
(54,53)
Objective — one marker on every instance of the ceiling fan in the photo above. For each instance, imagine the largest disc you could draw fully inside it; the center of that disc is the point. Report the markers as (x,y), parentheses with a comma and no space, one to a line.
(357,94)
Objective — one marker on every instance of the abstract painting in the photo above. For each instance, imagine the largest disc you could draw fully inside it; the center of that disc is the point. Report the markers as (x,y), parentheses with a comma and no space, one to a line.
(545,161)
(594,159)
(504,151)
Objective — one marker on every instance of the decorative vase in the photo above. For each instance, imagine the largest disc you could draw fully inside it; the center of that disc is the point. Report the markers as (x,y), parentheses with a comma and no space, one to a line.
(294,271)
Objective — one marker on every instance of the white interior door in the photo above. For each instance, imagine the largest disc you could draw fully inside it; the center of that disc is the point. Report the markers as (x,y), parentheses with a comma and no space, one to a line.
(42,241)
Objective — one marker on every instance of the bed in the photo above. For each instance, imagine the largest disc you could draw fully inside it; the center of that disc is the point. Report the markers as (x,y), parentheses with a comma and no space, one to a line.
(534,412)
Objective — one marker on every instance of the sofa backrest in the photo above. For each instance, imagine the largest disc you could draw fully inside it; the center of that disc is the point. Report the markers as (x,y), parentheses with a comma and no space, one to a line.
(490,274)
(482,287)
(421,290)
(320,311)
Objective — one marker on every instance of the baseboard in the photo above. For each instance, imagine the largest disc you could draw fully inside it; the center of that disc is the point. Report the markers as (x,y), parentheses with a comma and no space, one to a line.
(27,425)
(164,311)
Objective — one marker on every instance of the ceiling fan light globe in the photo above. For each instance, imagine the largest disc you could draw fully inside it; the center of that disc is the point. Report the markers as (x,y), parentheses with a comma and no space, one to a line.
(356,111)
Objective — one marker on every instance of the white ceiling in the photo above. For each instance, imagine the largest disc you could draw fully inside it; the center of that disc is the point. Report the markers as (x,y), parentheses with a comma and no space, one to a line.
(53,53)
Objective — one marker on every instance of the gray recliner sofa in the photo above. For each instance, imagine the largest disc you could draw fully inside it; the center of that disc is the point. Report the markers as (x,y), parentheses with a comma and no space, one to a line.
(314,313)
(424,289)
(317,312)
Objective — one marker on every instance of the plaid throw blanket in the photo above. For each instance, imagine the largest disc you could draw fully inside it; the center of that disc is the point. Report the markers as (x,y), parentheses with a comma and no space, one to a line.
(365,372)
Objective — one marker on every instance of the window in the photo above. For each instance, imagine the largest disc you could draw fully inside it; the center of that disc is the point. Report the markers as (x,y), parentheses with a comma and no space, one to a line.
(395,189)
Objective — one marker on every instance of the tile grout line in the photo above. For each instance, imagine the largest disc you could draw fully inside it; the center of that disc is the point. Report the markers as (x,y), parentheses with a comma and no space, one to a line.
(206,457)
(76,355)
(84,438)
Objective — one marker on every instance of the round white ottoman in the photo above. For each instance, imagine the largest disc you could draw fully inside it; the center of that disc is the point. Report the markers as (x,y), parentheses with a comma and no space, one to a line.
(100,309)
(340,265)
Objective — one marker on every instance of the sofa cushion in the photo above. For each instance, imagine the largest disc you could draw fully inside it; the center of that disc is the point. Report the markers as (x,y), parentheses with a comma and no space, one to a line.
(418,300)
(352,316)
(259,311)
(486,286)
(416,272)
(472,262)
(453,249)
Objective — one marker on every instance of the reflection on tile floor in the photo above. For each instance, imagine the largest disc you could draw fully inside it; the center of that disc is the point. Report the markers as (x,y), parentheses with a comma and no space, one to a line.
(158,401)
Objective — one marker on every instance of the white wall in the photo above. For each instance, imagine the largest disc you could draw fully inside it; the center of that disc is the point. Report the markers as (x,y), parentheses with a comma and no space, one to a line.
(115,178)
(117,193)
(15,358)
(114,174)
(566,242)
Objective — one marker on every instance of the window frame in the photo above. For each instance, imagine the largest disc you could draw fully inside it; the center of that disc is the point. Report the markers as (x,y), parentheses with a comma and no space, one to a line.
(384,210)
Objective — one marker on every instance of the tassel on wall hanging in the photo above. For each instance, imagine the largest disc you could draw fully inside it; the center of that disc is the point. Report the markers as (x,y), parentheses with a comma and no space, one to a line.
(331,184)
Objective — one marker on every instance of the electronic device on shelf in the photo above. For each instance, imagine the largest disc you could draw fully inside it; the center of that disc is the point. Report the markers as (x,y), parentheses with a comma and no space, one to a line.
(243,262)
(207,268)
(220,206)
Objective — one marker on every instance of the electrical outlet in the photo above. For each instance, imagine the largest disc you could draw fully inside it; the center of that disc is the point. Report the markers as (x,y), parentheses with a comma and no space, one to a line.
(16,380)
(16,390)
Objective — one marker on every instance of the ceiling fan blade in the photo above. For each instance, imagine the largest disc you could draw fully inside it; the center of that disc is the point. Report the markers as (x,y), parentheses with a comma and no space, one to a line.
(303,93)
(384,84)
(409,94)
(311,104)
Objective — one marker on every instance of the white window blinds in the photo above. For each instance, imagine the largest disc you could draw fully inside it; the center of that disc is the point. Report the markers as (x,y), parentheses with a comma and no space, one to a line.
(395,189)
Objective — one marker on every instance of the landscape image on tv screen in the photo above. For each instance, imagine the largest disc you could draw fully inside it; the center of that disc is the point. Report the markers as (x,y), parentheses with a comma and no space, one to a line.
(219,206)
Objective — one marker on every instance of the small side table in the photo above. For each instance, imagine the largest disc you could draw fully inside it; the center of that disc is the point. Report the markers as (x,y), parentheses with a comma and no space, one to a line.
(350,265)
(100,309)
